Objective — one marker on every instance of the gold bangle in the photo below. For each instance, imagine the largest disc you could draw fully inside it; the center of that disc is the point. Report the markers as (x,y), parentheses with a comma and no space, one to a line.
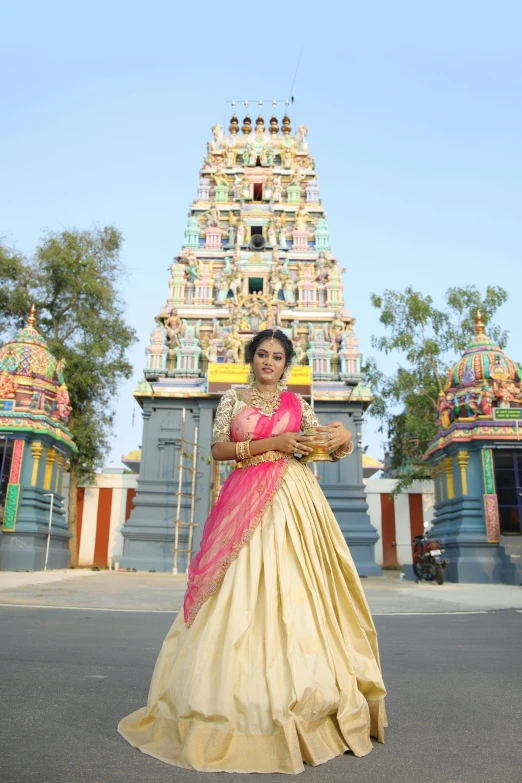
(242,450)
(340,452)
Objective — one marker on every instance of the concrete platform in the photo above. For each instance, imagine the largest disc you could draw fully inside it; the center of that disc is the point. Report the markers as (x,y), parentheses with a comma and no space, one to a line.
(160,592)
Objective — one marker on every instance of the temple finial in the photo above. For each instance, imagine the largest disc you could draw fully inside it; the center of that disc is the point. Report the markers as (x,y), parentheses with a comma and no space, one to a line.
(479,324)
(274,127)
(31,320)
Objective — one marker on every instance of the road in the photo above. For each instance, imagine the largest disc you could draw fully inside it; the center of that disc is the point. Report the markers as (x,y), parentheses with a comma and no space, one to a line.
(68,676)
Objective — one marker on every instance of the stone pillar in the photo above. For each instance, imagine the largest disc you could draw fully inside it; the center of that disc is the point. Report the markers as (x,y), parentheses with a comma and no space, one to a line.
(149,532)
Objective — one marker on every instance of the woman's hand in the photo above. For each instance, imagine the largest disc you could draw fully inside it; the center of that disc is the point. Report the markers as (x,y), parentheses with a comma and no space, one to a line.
(338,435)
(292,443)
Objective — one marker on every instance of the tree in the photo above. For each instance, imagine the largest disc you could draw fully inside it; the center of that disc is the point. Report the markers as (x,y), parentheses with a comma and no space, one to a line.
(73,280)
(429,339)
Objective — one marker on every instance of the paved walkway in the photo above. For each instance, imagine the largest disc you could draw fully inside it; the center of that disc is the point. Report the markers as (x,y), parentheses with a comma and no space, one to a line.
(161,592)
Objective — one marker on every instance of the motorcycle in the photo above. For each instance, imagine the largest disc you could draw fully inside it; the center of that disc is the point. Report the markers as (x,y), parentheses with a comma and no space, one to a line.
(428,566)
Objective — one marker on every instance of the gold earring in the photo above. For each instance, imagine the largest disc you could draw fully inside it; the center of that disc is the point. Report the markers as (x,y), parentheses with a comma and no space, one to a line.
(251,377)
(283,380)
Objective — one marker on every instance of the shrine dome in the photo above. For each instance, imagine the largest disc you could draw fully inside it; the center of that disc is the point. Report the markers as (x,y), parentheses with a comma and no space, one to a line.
(482,362)
(27,354)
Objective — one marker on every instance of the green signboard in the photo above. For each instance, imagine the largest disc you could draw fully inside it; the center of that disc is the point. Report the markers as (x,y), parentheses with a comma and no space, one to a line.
(507,413)
(6,405)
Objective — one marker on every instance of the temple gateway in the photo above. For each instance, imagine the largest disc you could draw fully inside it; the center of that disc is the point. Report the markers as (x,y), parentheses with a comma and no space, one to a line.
(256,255)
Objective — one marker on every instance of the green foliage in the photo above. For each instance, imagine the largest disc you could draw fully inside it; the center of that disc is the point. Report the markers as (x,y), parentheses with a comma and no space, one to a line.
(73,280)
(428,340)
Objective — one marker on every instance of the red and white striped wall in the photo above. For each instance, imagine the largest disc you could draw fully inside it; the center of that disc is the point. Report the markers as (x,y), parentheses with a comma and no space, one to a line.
(398,519)
(104,507)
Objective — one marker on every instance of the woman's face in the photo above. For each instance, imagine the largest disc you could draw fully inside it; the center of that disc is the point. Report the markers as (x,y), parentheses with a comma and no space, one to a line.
(269,361)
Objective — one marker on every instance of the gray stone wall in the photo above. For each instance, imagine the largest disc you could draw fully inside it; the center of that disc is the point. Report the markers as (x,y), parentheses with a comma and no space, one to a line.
(149,532)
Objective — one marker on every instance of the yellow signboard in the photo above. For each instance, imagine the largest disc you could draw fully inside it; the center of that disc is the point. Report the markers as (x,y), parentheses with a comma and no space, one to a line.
(228,376)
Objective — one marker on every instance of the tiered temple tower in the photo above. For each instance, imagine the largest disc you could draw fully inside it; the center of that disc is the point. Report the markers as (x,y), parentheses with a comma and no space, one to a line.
(256,255)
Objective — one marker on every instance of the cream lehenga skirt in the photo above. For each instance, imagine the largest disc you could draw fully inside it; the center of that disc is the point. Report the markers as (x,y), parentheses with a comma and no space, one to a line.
(281,665)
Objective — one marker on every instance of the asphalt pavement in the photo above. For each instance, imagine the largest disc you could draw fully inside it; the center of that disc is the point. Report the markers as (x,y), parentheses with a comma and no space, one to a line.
(68,676)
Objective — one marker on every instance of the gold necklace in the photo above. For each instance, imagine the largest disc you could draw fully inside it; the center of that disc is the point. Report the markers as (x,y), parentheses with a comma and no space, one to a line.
(266,402)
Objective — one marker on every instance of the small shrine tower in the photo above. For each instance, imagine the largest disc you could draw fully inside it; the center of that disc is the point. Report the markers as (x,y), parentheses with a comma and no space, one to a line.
(477,459)
(35,447)
(256,255)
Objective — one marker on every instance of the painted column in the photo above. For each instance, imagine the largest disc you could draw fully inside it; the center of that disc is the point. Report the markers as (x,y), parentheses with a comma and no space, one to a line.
(13,489)
(462,461)
(49,465)
(37,450)
(448,470)
(490,498)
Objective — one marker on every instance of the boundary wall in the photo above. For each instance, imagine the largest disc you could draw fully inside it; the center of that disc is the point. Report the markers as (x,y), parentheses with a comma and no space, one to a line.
(104,507)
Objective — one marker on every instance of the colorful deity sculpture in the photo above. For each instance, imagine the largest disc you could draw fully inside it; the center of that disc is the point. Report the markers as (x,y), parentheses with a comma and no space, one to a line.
(174,327)
(234,346)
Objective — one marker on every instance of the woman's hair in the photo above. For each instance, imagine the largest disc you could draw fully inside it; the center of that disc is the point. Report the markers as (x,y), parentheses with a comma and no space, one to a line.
(266,334)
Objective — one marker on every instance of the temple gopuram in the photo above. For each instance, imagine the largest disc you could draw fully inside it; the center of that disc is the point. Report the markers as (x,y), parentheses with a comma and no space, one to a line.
(256,254)
(477,459)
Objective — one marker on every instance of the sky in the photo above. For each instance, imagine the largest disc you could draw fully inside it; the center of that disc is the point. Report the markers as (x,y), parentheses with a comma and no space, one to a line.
(414,113)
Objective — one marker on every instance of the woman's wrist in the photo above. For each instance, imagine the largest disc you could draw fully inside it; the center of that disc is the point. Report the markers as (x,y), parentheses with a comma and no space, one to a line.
(267,444)
(343,450)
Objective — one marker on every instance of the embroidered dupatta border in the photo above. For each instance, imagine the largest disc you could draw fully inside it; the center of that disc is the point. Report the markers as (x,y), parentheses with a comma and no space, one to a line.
(233,554)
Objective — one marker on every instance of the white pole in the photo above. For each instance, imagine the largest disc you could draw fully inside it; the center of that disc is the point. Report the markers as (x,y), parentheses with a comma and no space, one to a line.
(49,495)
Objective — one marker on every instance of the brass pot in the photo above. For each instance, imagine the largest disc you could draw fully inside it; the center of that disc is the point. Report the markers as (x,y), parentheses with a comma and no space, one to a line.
(320,447)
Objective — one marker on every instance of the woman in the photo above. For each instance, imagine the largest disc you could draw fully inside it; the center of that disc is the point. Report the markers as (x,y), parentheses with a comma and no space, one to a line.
(274,660)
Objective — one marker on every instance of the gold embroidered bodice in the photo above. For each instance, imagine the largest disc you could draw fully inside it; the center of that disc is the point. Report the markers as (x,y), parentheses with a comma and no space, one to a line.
(231,403)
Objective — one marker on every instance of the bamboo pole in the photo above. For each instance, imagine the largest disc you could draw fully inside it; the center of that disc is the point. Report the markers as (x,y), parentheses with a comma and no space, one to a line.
(193,499)
(180,488)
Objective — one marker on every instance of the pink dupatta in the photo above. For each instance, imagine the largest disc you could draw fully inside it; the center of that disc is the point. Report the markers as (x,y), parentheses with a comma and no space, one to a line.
(241,504)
